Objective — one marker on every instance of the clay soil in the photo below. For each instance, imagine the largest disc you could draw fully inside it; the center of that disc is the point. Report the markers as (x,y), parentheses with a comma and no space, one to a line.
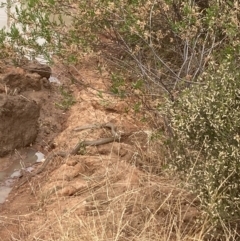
(116,191)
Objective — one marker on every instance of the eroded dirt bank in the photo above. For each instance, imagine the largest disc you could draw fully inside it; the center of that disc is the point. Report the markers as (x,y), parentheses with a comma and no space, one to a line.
(105,192)
(27,106)
(29,119)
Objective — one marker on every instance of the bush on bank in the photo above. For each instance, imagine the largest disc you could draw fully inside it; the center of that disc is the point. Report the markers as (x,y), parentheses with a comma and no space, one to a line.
(206,127)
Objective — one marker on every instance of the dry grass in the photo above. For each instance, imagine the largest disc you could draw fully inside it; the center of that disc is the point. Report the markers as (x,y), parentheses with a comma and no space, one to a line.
(152,210)
(124,204)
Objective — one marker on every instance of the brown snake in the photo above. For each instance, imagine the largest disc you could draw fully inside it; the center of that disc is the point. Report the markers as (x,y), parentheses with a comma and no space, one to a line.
(77,147)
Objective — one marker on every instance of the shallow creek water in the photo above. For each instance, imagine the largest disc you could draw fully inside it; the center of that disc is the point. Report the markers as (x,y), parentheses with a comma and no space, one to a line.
(11,173)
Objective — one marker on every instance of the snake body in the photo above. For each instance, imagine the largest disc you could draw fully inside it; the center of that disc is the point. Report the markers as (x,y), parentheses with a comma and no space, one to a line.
(77,147)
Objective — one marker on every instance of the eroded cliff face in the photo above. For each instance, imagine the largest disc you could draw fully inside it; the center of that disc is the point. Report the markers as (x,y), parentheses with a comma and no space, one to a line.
(19,112)
(18,122)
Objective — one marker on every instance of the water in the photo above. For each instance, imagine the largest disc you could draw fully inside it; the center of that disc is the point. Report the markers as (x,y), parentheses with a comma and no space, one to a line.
(14,171)
(8,176)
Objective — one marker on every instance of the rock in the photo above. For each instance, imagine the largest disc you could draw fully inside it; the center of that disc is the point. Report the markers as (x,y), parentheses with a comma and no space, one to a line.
(18,122)
(42,69)
(33,81)
(46,83)
(15,78)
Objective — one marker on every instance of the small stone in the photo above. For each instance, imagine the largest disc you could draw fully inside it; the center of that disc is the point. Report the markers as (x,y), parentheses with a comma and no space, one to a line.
(42,69)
